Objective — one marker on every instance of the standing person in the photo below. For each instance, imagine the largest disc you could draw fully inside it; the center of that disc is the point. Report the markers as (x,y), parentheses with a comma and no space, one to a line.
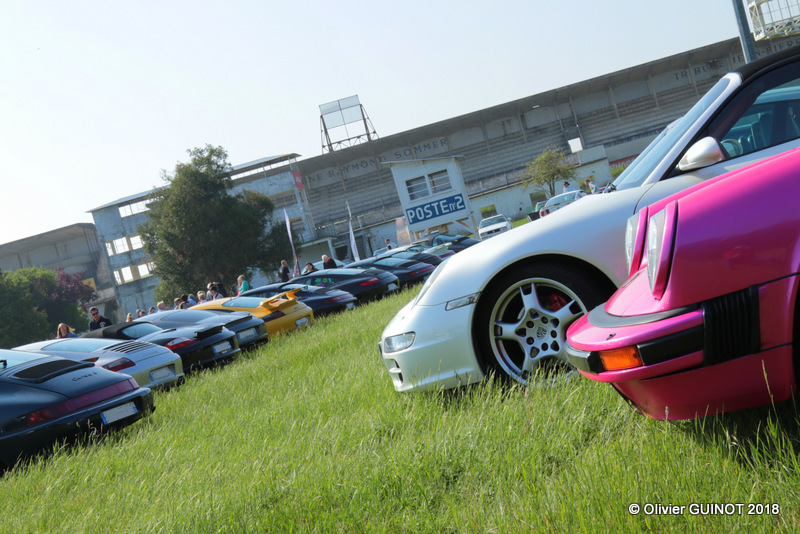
(567,188)
(213,293)
(221,291)
(328,263)
(243,286)
(151,310)
(65,331)
(283,272)
(129,318)
(389,244)
(201,297)
(591,186)
(98,321)
(162,306)
(309,268)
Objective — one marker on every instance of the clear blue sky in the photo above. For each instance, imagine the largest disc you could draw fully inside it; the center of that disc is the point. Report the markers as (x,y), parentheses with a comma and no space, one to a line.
(96,98)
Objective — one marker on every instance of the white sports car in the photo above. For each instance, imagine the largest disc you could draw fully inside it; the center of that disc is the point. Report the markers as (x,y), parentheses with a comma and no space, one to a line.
(504,305)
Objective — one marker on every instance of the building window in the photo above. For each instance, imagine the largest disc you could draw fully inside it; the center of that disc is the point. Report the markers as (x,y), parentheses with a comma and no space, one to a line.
(425,186)
(132,209)
(121,245)
(145,269)
(440,182)
(417,188)
(131,273)
(127,274)
(136,242)
(110,248)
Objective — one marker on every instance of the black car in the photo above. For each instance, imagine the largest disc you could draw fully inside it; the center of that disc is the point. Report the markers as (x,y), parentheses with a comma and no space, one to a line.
(249,329)
(407,271)
(45,399)
(323,300)
(198,346)
(363,284)
(407,253)
(457,243)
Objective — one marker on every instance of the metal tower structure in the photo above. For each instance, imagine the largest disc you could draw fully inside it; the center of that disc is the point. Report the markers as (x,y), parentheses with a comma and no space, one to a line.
(334,119)
(774,18)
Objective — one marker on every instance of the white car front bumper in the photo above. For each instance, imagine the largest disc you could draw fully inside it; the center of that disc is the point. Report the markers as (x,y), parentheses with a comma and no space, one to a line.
(441,355)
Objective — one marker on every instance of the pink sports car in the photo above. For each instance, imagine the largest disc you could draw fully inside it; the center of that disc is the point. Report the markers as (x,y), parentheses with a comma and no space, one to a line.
(706,322)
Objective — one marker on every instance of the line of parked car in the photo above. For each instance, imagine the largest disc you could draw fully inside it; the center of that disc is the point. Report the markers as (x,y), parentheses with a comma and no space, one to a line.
(63,389)
(678,285)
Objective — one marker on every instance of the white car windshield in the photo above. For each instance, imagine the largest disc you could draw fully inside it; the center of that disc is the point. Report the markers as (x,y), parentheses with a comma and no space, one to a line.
(497,219)
(641,168)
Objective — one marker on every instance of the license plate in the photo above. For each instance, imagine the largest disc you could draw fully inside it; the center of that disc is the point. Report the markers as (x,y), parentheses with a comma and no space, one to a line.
(160,374)
(350,305)
(221,347)
(392,286)
(119,412)
(301,321)
(244,335)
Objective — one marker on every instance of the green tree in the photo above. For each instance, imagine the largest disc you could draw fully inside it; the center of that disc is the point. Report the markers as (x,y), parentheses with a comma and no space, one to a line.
(20,321)
(37,299)
(199,231)
(549,170)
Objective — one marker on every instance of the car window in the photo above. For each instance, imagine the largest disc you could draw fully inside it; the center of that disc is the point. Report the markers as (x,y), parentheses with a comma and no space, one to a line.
(243,302)
(764,114)
(137,330)
(770,121)
(185,316)
(79,345)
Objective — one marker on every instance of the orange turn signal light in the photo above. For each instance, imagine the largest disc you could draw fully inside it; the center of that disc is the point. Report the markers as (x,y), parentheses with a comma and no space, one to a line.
(616,359)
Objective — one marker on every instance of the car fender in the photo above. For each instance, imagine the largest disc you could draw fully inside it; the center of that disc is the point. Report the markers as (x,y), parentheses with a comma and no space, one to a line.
(590,231)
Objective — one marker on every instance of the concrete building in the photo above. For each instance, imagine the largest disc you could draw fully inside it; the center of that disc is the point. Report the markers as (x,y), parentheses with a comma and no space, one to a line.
(75,248)
(612,117)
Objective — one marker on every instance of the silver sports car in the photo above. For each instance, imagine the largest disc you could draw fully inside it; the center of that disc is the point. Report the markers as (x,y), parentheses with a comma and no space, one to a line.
(152,366)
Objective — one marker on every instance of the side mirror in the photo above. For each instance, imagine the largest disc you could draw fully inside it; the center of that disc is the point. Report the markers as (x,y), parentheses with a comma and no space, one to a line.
(703,153)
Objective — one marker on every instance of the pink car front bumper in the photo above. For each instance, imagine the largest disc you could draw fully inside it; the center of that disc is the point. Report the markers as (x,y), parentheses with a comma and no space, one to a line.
(686,372)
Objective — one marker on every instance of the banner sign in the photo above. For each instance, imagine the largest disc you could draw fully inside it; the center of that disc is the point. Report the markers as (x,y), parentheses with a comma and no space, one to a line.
(438,208)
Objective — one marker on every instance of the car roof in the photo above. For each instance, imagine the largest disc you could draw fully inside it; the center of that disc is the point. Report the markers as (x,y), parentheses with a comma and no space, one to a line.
(748,70)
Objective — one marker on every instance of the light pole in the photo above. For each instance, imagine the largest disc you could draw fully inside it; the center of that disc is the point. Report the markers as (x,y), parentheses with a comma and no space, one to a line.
(745,36)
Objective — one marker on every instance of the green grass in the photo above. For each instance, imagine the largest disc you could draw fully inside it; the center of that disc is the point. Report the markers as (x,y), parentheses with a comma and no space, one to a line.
(308,435)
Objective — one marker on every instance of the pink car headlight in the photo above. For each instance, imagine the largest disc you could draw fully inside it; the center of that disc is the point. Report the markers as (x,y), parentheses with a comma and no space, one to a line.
(634,240)
(660,242)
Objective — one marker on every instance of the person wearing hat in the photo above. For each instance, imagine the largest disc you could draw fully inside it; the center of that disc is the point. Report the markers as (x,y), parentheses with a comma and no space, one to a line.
(567,188)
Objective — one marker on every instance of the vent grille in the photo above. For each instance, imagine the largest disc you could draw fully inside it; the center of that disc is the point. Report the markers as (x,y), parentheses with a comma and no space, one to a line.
(732,326)
(131,346)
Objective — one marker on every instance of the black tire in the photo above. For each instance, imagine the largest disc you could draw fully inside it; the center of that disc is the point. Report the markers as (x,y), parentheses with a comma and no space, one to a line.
(520,333)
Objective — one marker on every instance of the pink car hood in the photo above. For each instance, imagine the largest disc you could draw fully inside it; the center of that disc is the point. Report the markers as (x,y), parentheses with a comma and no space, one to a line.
(734,231)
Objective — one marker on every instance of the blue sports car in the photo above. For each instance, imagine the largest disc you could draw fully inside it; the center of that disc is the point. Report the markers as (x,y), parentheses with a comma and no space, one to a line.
(46,399)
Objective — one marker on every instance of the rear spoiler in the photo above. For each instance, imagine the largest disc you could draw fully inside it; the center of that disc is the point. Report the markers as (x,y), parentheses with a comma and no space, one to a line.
(289,295)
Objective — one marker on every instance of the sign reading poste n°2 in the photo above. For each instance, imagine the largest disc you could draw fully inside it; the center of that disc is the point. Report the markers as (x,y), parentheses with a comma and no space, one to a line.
(432,194)
(437,208)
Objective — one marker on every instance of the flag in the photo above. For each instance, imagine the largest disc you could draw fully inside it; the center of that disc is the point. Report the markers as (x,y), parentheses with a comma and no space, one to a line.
(353,246)
(295,268)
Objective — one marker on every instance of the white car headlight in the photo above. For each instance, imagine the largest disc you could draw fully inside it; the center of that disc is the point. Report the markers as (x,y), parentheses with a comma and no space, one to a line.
(398,342)
(660,241)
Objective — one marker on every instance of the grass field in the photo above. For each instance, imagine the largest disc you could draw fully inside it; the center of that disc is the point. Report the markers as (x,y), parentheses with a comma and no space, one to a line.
(308,435)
